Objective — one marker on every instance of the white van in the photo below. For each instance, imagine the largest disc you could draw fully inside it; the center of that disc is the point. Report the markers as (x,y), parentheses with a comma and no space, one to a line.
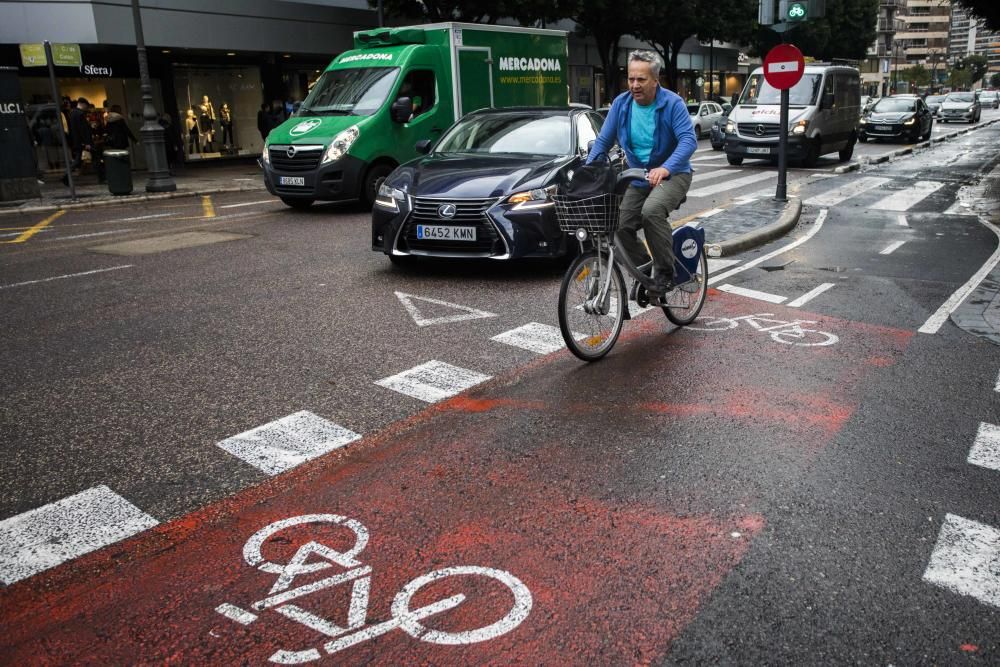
(823,112)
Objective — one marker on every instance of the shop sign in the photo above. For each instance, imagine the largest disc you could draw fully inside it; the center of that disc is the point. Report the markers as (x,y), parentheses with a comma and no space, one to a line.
(95,70)
(63,55)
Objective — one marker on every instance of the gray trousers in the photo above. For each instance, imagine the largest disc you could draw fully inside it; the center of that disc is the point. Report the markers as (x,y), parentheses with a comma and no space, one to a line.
(648,209)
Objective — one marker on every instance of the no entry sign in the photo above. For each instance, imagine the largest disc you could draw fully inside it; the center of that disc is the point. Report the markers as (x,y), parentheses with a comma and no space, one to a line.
(783,66)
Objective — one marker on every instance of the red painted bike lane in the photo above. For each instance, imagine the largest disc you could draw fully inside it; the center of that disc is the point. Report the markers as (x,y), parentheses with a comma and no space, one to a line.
(566,513)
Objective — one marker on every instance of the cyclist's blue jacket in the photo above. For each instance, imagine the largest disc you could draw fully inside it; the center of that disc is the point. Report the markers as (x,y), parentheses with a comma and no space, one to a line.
(674,141)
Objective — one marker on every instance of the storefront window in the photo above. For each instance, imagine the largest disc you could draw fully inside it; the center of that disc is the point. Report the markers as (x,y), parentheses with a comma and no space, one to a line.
(218,110)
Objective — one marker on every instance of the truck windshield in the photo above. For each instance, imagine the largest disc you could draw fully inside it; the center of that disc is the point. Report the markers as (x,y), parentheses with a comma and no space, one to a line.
(350,92)
(759,91)
(508,133)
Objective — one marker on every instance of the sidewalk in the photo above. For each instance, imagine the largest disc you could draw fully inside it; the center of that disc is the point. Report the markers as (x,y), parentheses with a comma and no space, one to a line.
(197,179)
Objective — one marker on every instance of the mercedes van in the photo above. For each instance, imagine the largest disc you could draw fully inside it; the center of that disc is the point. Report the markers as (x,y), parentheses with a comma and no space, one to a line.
(824,108)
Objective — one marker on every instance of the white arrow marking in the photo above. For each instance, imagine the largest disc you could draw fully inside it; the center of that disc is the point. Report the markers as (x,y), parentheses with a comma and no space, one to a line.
(421,321)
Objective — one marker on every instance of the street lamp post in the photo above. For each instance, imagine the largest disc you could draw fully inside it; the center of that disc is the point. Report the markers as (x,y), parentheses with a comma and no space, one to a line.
(152,133)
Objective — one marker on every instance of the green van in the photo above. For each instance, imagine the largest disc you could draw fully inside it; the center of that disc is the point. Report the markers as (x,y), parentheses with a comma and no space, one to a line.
(399,86)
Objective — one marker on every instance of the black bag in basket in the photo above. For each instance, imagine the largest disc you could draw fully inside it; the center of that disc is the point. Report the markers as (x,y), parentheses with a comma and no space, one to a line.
(591,180)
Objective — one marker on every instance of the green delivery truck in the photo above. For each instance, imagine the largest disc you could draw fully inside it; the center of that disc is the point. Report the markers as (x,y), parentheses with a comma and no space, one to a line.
(398,86)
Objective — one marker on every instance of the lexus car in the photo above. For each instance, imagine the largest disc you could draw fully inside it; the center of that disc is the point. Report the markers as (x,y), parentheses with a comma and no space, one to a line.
(903,117)
(960,106)
(484,189)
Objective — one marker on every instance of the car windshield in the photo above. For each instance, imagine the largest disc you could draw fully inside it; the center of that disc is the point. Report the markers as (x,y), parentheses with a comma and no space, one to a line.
(693,109)
(890,104)
(349,92)
(960,97)
(759,91)
(508,133)
(934,99)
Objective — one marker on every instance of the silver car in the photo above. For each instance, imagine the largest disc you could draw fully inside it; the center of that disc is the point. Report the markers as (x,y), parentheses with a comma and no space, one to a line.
(960,106)
(703,116)
(990,98)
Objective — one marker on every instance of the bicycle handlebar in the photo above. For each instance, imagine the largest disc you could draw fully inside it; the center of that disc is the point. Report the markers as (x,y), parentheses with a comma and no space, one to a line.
(633,174)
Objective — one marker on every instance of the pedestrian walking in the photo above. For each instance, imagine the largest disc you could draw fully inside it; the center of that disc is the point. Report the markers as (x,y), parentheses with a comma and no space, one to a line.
(119,135)
(80,134)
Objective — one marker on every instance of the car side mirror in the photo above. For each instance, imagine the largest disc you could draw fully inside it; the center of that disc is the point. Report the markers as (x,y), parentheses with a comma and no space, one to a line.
(590,147)
(827,102)
(424,146)
(732,100)
(401,110)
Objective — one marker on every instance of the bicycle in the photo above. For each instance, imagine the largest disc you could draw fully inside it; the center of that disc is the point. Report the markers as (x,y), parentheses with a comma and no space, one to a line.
(593,301)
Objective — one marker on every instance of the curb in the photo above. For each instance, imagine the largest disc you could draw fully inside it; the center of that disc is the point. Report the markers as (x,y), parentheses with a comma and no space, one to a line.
(127,199)
(854,166)
(788,219)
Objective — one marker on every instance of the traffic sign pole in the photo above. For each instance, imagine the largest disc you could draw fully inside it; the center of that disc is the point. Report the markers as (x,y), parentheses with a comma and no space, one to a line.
(783,68)
(57,101)
(781,192)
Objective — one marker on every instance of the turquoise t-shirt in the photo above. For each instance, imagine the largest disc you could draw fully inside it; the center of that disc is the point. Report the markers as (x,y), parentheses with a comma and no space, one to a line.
(641,126)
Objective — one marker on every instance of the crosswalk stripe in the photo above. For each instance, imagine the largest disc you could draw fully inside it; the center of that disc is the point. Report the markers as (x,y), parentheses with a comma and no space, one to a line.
(534,337)
(963,559)
(46,536)
(753,294)
(433,381)
(906,199)
(701,177)
(731,185)
(287,442)
(985,451)
(845,192)
(711,158)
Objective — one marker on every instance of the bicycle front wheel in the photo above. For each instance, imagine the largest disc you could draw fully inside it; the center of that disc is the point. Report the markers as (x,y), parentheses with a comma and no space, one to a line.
(589,323)
(685,301)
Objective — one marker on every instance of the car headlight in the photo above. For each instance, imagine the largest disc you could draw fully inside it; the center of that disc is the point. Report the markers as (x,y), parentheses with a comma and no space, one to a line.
(730,127)
(910,122)
(537,198)
(799,128)
(341,144)
(971,109)
(388,197)
(266,156)
(864,121)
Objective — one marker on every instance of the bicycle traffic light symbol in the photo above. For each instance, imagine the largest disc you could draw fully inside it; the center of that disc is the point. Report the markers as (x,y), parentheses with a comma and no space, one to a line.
(797,11)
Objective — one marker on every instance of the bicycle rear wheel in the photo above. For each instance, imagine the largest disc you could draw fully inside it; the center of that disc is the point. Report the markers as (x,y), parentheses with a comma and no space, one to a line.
(591,335)
(685,301)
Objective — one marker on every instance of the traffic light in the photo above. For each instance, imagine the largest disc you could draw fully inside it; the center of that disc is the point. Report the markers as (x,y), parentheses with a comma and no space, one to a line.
(795,10)
(790,11)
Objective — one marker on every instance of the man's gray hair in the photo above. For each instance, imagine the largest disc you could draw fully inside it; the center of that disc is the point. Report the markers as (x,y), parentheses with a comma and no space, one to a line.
(651,57)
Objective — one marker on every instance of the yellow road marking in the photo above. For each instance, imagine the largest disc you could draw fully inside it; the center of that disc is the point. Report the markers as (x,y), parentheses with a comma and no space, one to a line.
(31,231)
(207,207)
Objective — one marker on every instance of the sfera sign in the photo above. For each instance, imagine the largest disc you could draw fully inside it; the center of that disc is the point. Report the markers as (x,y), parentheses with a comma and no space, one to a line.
(95,70)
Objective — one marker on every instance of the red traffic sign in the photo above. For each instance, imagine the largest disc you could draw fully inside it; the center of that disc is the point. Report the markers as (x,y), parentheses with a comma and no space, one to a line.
(783,66)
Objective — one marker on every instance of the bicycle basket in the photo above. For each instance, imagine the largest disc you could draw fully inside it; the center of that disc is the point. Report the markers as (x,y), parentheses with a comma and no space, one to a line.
(597,215)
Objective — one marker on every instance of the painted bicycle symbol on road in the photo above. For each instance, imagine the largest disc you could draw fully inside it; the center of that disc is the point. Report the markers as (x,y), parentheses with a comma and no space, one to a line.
(403,616)
(781,331)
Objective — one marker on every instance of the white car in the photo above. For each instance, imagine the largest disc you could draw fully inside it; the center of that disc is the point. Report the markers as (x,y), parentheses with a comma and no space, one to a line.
(703,116)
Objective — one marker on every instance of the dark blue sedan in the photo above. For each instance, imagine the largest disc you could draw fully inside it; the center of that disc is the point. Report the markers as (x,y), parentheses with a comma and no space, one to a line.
(484,190)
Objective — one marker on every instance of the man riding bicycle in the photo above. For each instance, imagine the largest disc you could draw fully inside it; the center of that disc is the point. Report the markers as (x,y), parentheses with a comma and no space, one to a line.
(652,126)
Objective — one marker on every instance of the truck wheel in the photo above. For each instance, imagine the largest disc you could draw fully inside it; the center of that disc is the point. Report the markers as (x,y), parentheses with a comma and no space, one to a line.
(299,204)
(373,179)
(735,160)
(847,151)
(812,154)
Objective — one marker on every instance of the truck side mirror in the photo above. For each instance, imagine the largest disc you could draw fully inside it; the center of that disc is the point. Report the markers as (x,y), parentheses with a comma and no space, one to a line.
(401,110)
(424,146)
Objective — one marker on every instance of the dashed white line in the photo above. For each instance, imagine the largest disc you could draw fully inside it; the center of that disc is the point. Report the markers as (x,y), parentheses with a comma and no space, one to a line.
(963,560)
(433,381)
(891,248)
(249,203)
(985,451)
(69,528)
(753,294)
(142,217)
(810,295)
(68,275)
(287,442)
(87,236)
(535,337)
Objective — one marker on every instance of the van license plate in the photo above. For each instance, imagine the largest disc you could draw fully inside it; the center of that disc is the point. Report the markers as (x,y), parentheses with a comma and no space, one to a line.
(759,150)
(445,233)
(292,180)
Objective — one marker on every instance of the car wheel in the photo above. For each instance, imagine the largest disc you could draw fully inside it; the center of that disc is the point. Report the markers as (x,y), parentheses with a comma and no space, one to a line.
(735,160)
(298,204)
(373,179)
(716,147)
(697,131)
(863,138)
(847,151)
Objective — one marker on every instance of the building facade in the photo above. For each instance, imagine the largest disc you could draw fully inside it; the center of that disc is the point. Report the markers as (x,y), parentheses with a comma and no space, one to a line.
(926,36)
(968,37)
(878,72)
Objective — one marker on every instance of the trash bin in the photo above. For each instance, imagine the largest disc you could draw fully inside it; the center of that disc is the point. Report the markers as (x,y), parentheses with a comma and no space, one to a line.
(118,171)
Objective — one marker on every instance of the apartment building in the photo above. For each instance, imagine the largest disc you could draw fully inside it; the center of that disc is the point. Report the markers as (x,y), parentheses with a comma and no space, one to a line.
(968,37)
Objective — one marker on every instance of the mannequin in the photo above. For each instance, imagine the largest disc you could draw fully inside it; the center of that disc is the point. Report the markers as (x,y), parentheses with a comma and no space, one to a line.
(206,122)
(193,132)
(226,120)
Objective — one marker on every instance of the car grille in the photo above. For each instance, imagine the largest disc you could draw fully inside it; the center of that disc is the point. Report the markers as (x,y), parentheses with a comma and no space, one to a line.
(469,213)
(766,129)
(306,158)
